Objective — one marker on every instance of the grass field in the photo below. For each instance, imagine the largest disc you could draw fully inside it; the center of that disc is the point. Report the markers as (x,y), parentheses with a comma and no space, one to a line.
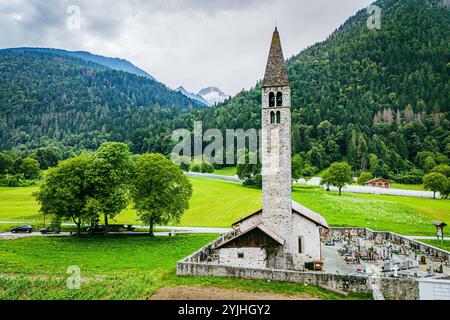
(228,171)
(113,268)
(416,187)
(217,203)
(438,244)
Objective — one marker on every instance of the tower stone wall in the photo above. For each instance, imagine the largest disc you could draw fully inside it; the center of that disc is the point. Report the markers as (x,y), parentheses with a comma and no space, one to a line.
(276,153)
(276,159)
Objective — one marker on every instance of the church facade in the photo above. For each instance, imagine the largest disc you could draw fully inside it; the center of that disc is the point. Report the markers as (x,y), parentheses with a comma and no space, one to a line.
(284,234)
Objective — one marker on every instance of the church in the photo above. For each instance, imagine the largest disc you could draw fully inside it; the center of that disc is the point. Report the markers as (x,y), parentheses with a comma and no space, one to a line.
(284,234)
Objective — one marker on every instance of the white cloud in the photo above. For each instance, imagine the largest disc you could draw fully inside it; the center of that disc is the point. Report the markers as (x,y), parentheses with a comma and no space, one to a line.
(194,43)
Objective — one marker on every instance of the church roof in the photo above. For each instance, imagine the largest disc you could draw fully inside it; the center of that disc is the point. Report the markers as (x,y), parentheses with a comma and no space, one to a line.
(261,227)
(311,215)
(377,180)
(299,209)
(276,74)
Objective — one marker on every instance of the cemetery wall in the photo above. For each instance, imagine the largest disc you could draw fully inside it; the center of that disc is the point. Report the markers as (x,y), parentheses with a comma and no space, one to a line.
(198,264)
(392,289)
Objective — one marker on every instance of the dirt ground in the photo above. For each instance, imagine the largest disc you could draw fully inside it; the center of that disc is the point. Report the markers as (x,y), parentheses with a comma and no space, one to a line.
(199,293)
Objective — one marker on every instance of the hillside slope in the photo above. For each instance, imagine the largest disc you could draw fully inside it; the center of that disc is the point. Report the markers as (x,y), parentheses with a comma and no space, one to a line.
(377,98)
(112,63)
(46,98)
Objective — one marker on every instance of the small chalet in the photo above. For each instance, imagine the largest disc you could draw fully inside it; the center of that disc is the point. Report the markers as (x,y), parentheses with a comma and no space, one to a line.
(378,183)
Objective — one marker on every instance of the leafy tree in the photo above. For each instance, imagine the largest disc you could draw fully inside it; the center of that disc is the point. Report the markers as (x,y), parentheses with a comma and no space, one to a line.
(339,175)
(442,168)
(364,177)
(436,182)
(429,164)
(64,192)
(250,173)
(47,157)
(6,163)
(373,162)
(30,168)
(414,176)
(297,167)
(326,179)
(207,168)
(160,190)
(13,180)
(108,176)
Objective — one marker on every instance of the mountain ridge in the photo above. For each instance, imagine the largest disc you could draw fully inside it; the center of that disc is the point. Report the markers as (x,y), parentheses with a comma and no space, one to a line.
(114,63)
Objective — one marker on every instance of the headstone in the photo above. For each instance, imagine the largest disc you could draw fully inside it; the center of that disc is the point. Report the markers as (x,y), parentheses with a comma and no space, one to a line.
(395,271)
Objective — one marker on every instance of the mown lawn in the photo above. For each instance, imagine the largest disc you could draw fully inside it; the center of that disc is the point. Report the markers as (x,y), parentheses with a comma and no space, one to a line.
(18,203)
(438,244)
(404,215)
(417,187)
(227,171)
(217,203)
(113,268)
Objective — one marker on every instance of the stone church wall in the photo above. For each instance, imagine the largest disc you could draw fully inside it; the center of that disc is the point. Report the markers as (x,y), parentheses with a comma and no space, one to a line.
(252,257)
(311,244)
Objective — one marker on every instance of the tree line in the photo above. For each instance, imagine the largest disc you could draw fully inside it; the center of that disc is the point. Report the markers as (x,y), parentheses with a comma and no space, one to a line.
(377,99)
(100,185)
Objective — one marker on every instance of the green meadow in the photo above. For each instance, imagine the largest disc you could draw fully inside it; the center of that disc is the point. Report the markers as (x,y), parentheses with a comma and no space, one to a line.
(115,268)
(136,267)
(217,203)
(227,171)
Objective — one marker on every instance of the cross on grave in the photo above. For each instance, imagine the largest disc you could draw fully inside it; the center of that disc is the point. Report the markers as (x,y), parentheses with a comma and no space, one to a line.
(395,271)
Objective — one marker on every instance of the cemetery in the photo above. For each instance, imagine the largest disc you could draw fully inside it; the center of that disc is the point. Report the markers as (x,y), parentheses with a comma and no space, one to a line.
(362,251)
(388,265)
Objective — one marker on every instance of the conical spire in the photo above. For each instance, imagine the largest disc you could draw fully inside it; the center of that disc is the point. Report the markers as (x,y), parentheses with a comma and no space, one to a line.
(276,75)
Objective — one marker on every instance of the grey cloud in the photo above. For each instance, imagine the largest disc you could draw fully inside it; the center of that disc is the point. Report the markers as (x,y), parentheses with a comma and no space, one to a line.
(194,43)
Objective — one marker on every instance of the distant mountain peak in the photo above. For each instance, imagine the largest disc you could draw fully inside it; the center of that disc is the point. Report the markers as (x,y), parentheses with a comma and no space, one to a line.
(209,96)
(213,95)
(191,95)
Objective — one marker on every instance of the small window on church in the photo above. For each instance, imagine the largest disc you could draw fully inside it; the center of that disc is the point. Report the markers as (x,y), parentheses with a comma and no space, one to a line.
(279,99)
(278,117)
(272,117)
(300,245)
(240,255)
(271,99)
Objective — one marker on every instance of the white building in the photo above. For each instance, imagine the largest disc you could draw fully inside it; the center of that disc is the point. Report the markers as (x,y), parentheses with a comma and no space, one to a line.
(284,234)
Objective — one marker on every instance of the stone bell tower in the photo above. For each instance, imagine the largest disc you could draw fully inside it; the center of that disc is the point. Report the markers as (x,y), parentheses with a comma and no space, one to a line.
(276,151)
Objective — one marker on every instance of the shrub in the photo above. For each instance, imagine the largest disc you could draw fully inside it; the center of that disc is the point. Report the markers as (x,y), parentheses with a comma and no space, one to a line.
(413,176)
(207,168)
(17,180)
(364,177)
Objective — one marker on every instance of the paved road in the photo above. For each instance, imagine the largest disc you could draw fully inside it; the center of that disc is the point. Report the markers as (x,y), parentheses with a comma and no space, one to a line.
(178,230)
(10,235)
(202,230)
(426,238)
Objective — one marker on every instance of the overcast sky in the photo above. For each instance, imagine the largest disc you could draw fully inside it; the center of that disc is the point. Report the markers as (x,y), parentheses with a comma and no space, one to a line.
(194,43)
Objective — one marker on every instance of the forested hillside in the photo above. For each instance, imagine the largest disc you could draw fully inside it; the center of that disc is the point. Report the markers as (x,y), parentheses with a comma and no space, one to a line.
(111,63)
(377,98)
(49,98)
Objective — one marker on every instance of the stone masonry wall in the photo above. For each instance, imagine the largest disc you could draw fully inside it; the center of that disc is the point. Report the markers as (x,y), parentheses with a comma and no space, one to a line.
(252,257)
(276,172)
(392,289)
